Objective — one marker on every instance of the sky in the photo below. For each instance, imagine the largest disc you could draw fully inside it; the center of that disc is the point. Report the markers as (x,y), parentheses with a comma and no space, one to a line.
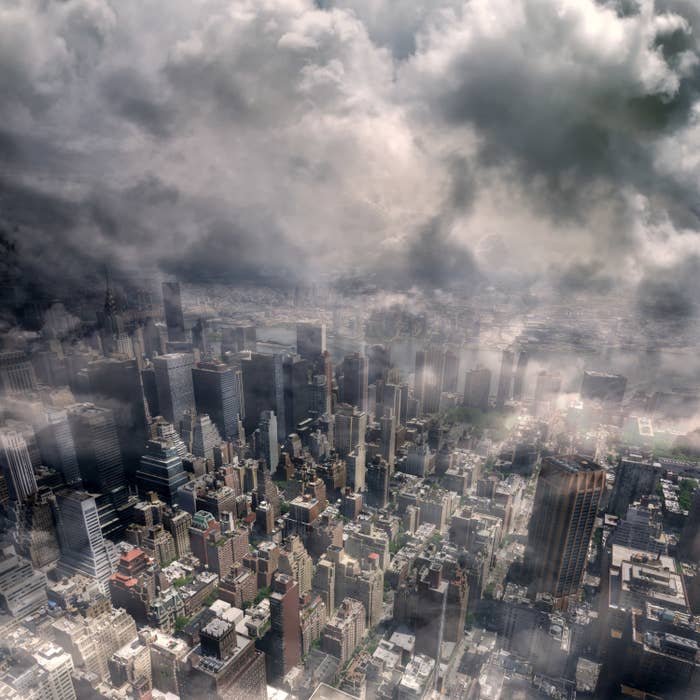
(419,143)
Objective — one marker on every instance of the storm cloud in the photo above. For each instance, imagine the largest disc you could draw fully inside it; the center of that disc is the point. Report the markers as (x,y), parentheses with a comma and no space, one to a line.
(279,140)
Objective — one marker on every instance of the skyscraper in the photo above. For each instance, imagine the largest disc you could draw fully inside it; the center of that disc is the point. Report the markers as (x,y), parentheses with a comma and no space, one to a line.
(200,434)
(505,378)
(350,428)
(477,387)
(296,391)
(161,470)
(16,465)
(218,393)
(174,317)
(568,494)
(83,549)
(115,383)
(430,371)
(57,447)
(388,437)
(379,363)
(520,372)
(97,449)
(263,390)
(284,626)
(311,340)
(16,373)
(450,372)
(355,384)
(269,447)
(174,385)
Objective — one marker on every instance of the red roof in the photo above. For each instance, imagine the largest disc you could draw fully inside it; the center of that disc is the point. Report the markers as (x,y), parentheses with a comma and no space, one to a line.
(133,554)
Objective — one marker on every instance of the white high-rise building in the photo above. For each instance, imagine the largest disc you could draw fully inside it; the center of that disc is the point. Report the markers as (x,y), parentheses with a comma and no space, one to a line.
(83,549)
(16,465)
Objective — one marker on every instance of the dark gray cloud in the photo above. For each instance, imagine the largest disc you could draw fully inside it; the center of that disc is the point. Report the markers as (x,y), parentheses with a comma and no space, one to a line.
(270,141)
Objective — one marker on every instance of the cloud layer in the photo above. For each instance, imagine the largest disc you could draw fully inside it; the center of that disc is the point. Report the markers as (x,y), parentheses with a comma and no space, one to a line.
(426,143)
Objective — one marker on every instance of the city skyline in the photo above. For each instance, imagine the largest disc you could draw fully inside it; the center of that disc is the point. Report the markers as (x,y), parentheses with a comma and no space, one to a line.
(349,349)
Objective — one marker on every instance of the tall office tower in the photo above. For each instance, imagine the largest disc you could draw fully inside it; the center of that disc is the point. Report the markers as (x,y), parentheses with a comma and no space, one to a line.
(547,388)
(405,398)
(263,390)
(27,432)
(116,384)
(296,391)
(34,530)
(97,449)
(601,386)
(217,390)
(284,626)
(16,373)
(174,385)
(161,470)
(430,370)
(296,562)
(377,476)
(379,363)
(174,318)
(311,340)
(505,378)
(16,465)
(83,549)
(477,387)
(350,428)
(450,372)
(22,590)
(388,438)
(355,385)
(319,397)
(200,434)
(269,447)
(568,494)
(111,326)
(57,446)
(356,468)
(391,398)
(520,372)
(178,523)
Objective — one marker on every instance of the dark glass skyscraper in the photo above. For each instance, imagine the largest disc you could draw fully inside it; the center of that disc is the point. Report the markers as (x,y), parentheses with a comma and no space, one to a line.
(568,494)
(174,385)
(355,386)
(97,448)
(217,390)
(116,384)
(174,317)
(263,390)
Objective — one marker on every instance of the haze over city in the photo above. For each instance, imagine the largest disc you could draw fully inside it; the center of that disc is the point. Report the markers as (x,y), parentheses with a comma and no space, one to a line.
(349,349)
